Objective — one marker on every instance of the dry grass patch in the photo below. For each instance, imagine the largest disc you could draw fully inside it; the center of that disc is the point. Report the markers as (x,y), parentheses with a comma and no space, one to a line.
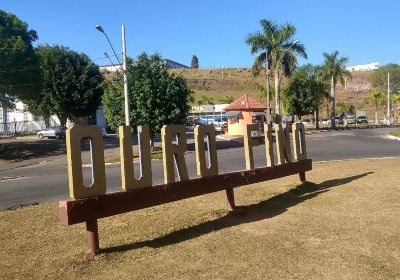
(344,225)
(115,156)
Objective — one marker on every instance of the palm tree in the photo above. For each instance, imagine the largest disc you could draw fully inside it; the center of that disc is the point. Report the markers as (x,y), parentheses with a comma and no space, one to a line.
(277,52)
(334,70)
(377,98)
(395,101)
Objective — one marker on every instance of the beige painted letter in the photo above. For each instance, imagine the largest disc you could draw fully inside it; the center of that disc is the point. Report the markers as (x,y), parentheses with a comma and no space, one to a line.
(269,149)
(249,143)
(174,153)
(74,137)
(127,168)
(299,142)
(282,144)
(204,169)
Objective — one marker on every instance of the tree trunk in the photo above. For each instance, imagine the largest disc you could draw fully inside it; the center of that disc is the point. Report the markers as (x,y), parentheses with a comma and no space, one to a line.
(376,114)
(62,119)
(316,118)
(152,135)
(277,98)
(332,104)
(267,77)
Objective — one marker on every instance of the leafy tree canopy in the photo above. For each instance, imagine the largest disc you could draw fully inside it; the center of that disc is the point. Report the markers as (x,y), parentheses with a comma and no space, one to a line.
(156,97)
(334,67)
(304,93)
(275,43)
(206,100)
(71,84)
(18,75)
(378,77)
(227,99)
(342,107)
(195,62)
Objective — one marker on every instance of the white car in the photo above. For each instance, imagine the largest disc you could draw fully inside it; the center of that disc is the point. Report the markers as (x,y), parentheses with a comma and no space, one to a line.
(54,131)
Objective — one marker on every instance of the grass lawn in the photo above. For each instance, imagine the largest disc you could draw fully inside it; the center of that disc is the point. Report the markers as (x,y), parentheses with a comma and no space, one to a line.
(395,133)
(115,156)
(344,225)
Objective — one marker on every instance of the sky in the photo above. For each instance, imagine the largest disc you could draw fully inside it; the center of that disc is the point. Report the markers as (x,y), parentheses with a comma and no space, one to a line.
(215,30)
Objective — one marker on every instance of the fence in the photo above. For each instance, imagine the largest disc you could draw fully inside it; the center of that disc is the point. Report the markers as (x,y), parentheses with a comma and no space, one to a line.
(23,127)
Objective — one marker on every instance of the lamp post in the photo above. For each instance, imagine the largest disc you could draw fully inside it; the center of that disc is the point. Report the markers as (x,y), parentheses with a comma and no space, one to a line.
(99,28)
(268,77)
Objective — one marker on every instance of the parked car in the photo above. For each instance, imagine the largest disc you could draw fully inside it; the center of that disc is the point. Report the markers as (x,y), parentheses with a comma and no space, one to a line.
(349,117)
(54,131)
(338,120)
(361,119)
(219,127)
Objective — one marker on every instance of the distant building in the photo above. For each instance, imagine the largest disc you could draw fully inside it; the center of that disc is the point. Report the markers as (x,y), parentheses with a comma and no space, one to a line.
(168,62)
(110,68)
(363,67)
(174,65)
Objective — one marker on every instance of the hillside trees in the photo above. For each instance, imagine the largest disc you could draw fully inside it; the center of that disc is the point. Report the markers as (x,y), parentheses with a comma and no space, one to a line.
(71,84)
(379,79)
(227,99)
(156,97)
(18,65)
(277,51)
(206,100)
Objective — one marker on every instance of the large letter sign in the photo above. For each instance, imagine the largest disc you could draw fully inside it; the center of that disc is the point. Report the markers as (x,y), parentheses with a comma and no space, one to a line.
(89,203)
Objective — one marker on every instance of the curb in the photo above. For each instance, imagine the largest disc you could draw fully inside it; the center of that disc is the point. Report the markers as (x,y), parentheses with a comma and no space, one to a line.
(391,137)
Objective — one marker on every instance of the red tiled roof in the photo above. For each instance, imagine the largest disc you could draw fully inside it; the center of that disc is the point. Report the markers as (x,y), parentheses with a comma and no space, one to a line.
(246,103)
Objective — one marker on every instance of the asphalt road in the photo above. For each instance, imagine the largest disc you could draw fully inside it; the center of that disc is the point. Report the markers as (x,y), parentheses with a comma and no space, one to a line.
(48,181)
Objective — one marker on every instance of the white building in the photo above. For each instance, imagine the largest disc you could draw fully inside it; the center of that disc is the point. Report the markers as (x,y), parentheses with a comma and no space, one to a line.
(110,68)
(19,120)
(363,67)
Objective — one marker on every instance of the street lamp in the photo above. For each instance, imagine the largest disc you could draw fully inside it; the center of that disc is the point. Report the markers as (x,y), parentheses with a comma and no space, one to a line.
(268,77)
(99,28)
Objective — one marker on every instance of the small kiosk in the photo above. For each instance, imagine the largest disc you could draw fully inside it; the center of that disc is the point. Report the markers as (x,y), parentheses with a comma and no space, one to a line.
(244,110)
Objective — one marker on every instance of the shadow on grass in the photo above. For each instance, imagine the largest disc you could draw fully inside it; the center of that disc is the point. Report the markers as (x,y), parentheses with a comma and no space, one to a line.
(263,210)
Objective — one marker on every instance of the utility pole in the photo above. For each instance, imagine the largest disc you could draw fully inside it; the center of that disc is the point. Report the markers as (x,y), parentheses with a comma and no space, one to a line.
(388,101)
(127,119)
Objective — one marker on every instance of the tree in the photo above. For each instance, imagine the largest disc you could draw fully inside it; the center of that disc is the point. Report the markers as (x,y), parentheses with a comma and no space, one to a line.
(156,97)
(18,66)
(277,50)
(342,107)
(227,99)
(71,84)
(376,97)
(395,98)
(378,77)
(304,93)
(334,70)
(205,100)
(195,62)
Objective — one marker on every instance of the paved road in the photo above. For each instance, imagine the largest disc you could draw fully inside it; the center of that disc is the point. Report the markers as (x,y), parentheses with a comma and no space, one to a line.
(48,181)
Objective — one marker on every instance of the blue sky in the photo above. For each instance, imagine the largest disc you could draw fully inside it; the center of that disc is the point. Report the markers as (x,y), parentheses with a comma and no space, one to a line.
(215,30)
